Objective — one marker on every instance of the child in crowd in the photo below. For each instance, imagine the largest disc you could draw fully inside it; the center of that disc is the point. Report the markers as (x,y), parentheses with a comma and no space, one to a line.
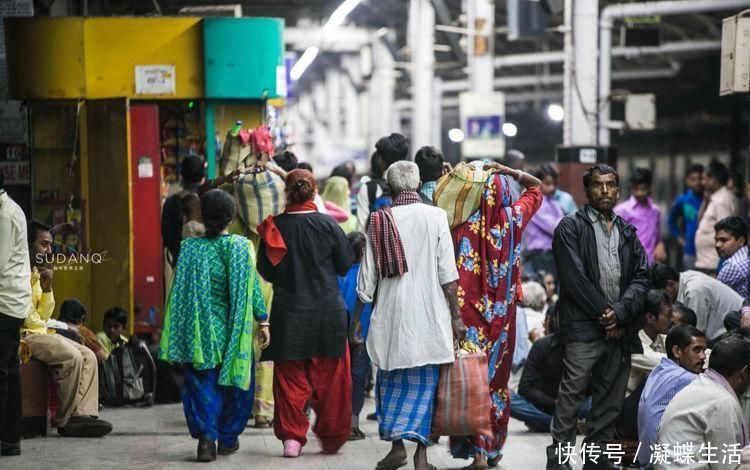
(359,321)
(191,217)
(73,313)
(115,322)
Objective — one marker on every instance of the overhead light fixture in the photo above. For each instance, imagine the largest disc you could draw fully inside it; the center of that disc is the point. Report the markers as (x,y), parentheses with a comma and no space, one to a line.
(339,15)
(303,63)
(510,129)
(556,112)
(456,135)
(334,21)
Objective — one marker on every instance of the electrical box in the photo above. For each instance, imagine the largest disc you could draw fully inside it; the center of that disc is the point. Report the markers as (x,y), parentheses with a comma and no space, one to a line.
(640,112)
(735,55)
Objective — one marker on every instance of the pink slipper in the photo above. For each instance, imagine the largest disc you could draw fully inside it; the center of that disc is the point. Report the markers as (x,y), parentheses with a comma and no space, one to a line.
(292,449)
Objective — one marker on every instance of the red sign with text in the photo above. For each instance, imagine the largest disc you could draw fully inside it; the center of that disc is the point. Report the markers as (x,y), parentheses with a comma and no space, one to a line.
(16,173)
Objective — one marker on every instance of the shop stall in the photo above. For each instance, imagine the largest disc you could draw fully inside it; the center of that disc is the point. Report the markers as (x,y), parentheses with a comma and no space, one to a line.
(115,104)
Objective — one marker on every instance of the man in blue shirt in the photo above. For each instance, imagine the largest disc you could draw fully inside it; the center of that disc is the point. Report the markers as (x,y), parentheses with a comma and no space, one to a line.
(550,184)
(686,208)
(686,354)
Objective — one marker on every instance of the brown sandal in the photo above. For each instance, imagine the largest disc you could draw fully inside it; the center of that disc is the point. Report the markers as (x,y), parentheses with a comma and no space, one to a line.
(261,422)
(356,435)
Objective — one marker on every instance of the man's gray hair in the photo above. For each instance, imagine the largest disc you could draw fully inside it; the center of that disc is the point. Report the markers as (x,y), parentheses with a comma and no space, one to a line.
(402,176)
(534,295)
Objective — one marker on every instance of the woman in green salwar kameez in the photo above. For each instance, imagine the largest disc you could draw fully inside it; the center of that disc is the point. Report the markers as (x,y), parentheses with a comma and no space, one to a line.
(208,328)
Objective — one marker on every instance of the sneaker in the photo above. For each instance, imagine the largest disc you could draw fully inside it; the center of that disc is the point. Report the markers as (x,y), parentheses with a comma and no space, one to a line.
(292,449)
(558,466)
(85,426)
(553,463)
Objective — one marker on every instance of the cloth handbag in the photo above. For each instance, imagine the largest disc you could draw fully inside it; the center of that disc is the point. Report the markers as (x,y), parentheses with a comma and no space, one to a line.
(259,195)
(463,397)
(459,193)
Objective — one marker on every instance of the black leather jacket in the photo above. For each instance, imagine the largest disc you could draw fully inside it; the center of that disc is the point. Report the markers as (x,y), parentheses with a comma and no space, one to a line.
(582,300)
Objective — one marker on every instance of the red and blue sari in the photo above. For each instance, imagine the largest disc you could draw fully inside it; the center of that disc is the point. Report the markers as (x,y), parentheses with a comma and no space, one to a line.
(488,251)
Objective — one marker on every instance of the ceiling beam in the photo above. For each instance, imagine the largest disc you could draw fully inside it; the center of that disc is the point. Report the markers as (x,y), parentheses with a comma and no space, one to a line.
(551,57)
(347,39)
(444,16)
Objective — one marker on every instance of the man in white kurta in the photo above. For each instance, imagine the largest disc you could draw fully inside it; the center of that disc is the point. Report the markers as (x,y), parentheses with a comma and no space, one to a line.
(415,318)
(411,321)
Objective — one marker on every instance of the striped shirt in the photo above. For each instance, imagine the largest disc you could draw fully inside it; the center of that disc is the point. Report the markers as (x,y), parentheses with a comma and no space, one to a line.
(736,272)
(664,382)
(428,189)
(608,253)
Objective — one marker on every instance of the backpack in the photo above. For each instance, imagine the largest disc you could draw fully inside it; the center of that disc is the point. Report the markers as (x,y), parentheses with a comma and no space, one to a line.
(372,190)
(128,377)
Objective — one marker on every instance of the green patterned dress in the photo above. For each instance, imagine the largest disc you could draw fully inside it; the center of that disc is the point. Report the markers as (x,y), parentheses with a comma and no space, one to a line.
(215,298)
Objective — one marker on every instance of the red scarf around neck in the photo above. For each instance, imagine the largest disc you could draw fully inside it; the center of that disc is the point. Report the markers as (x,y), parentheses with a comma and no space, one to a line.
(269,232)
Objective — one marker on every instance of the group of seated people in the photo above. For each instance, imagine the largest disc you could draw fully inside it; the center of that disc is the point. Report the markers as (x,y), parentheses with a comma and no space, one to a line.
(692,336)
(72,352)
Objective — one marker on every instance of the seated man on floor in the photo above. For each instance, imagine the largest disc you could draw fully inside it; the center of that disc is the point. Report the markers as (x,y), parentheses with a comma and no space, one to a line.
(686,354)
(115,323)
(74,367)
(657,320)
(707,412)
(683,315)
(710,299)
(73,313)
(534,404)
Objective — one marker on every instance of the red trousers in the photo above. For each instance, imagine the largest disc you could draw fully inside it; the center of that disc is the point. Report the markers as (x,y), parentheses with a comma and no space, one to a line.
(325,383)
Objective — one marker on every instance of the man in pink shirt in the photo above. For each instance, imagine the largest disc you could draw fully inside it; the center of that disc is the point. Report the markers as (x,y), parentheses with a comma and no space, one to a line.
(643,214)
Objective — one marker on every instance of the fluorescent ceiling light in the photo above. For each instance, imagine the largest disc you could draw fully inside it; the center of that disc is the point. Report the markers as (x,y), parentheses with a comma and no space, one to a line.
(307,58)
(335,20)
(340,14)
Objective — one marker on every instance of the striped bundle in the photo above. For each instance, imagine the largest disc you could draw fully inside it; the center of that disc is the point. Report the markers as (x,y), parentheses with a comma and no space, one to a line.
(459,193)
(259,195)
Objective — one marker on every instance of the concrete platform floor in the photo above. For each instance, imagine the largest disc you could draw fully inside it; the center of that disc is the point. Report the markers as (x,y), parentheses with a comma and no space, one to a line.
(157,438)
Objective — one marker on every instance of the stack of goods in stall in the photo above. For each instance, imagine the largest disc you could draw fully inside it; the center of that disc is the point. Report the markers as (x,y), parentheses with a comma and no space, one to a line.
(181,135)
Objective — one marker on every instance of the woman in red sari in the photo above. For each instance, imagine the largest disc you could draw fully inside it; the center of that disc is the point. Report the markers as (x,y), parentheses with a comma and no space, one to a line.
(488,248)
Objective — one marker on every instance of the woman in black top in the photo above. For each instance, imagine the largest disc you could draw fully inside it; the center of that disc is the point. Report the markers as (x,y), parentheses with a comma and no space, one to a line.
(301,253)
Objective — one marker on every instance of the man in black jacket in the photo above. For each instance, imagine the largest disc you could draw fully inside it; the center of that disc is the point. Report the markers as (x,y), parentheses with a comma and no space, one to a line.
(603,274)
